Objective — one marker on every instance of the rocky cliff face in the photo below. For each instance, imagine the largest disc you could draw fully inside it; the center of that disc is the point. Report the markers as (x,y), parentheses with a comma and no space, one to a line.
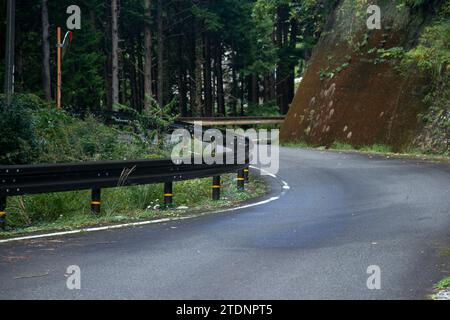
(353,91)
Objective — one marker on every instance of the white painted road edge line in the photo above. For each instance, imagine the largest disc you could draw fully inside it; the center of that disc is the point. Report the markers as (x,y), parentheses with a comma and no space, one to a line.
(285,186)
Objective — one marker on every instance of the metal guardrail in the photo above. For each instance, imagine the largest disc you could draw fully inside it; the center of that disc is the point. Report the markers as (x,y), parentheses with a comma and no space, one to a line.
(18,180)
(124,117)
(224,121)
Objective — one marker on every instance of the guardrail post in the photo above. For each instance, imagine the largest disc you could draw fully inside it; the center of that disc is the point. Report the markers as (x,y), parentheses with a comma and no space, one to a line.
(168,194)
(247,159)
(95,201)
(2,212)
(240,180)
(246,175)
(216,188)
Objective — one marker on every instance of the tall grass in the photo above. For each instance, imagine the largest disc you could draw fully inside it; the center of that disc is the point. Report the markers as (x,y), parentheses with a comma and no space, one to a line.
(379,148)
(72,209)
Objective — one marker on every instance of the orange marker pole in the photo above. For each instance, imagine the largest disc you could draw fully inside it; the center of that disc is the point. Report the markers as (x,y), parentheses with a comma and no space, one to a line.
(58,92)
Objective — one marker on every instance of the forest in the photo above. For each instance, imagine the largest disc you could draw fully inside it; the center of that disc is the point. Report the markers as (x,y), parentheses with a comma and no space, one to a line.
(201,57)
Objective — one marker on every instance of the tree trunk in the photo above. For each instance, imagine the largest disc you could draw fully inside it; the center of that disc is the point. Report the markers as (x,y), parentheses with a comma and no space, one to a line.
(108,68)
(219,75)
(241,94)
(182,79)
(234,91)
(281,37)
(255,89)
(183,93)
(207,75)
(291,76)
(160,54)
(279,72)
(19,77)
(108,61)
(115,52)
(140,78)
(269,87)
(272,93)
(122,85)
(46,80)
(133,81)
(266,95)
(148,93)
(197,108)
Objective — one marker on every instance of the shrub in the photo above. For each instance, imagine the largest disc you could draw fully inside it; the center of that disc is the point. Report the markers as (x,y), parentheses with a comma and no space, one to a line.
(33,131)
(266,109)
(17,137)
(65,138)
(432,55)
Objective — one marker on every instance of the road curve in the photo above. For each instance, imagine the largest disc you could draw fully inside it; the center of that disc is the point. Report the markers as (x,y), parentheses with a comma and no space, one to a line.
(343,213)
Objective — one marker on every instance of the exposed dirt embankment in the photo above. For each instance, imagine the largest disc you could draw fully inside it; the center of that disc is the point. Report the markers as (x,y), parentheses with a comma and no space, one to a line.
(349,93)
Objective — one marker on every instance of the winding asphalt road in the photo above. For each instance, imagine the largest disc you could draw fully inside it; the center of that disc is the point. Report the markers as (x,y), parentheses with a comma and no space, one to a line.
(343,213)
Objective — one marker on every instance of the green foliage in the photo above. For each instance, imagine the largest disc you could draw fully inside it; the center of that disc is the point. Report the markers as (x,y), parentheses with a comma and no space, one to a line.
(444,283)
(325,74)
(210,18)
(379,148)
(160,119)
(32,131)
(264,51)
(28,210)
(433,52)
(391,53)
(83,69)
(266,109)
(296,144)
(63,138)
(156,116)
(341,146)
(413,3)
(342,67)
(432,56)
(17,139)
(435,137)
(244,31)
(329,73)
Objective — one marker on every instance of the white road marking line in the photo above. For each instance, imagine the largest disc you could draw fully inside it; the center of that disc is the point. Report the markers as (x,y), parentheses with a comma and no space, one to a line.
(142,223)
(63,233)
(284,183)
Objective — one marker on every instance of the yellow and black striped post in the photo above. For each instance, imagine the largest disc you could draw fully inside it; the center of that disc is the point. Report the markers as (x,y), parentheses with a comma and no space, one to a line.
(240,180)
(246,175)
(168,194)
(95,201)
(216,188)
(2,212)
(247,160)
